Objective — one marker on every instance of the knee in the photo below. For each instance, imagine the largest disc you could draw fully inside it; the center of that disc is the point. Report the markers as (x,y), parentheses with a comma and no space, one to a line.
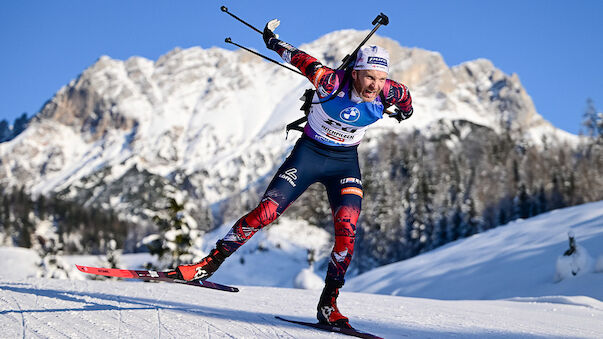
(264,214)
(346,218)
(345,226)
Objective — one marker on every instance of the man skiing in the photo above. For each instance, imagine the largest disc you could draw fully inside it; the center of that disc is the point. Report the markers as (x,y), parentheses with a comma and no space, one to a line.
(344,105)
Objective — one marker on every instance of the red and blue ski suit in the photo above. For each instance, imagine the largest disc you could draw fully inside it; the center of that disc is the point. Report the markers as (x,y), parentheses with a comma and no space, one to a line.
(325,153)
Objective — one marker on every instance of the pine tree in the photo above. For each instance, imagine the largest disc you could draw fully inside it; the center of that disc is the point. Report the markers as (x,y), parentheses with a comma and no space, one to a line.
(455,223)
(50,251)
(591,120)
(541,203)
(178,233)
(522,204)
(4,130)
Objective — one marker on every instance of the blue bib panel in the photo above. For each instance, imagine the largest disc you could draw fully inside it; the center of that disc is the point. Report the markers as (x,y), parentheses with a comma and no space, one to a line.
(339,121)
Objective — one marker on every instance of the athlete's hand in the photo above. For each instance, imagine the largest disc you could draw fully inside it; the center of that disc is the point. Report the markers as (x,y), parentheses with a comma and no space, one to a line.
(398,114)
(402,109)
(269,31)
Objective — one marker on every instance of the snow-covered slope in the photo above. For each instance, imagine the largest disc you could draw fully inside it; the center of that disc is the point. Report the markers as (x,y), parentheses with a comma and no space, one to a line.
(514,264)
(515,260)
(99,309)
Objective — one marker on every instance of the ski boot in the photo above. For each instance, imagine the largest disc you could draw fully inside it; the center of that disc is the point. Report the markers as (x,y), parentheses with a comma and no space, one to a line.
(328,313)
(206,267)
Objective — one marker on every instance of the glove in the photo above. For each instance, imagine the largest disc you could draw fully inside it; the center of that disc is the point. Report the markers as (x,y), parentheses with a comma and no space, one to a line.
(402,108)
(269,31)
(398,114)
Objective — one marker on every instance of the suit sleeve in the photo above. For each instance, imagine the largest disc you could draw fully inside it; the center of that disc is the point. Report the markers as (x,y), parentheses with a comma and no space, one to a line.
(324,79)
(399,95)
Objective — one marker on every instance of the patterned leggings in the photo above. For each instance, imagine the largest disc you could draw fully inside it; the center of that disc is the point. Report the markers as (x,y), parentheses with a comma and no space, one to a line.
(309,162)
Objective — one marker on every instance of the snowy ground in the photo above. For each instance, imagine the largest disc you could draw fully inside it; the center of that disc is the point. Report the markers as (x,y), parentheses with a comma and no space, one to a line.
(501,284)
(515,260)
(103,309)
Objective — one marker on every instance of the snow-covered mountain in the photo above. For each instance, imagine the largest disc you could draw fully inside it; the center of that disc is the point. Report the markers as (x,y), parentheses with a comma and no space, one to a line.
(500,284)
(211,121)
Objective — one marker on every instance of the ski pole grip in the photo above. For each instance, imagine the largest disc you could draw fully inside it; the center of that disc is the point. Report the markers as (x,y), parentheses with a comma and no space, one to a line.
(381,19)
(228,40)
(224,9)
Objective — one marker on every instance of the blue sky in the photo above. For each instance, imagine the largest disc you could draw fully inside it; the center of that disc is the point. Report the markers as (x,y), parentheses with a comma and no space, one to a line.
(556,47)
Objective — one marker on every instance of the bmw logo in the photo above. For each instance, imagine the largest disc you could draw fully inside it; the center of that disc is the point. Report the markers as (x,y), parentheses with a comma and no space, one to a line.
(350,114)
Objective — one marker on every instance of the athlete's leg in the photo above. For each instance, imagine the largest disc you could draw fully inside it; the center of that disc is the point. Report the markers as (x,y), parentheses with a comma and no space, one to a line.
(291,180)
(345,197)
(266,212)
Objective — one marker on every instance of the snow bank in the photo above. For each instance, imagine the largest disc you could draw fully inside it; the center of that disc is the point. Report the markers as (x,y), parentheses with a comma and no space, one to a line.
(578,263)
(515,260)
(307,279)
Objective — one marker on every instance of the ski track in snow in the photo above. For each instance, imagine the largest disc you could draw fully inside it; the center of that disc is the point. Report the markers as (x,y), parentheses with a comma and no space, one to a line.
(124,309)
(17,307)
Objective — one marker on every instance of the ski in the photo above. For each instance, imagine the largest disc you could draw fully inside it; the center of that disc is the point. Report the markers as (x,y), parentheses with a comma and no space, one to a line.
(347,331)
(147,275)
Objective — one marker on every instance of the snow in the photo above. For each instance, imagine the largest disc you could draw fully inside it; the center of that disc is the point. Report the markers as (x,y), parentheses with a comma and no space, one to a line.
(515,260)
(498,284)
(115,309)
(578,263)
(13,257)
(308,280)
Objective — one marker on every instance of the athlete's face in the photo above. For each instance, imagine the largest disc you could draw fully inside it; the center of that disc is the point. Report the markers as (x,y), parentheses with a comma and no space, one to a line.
(368,83)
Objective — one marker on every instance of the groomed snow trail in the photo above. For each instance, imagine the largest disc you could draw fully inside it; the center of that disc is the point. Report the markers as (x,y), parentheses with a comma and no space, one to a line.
(41,308)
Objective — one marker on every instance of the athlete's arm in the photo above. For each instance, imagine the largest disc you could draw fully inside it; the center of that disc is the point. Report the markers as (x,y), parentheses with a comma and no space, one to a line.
(322,77)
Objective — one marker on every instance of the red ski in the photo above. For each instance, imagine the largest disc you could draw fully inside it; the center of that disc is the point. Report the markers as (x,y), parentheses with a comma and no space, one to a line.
(167,276)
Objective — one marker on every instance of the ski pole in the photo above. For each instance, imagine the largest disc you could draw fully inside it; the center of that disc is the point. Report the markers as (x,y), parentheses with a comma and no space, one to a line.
(229,41)
(225,10)
(381,19)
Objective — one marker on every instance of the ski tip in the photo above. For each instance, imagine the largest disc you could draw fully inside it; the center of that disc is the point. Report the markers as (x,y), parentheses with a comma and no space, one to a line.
(81,268)
(228,288)
(213,285)
(220,287)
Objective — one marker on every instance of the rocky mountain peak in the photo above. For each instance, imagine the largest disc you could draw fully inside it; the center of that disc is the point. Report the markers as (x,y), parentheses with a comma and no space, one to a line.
(208,110)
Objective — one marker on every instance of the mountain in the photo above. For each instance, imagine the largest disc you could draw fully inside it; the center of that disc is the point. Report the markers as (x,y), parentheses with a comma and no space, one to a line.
(496,284)
(209,122)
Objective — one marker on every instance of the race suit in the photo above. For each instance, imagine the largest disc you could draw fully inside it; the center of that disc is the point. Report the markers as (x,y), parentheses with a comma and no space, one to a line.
(326,153)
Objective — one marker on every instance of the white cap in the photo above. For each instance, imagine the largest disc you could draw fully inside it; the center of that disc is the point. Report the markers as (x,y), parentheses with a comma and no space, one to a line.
(372,57)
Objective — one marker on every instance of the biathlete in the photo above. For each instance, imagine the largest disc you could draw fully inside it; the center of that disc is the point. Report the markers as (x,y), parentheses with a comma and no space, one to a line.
(343,106)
